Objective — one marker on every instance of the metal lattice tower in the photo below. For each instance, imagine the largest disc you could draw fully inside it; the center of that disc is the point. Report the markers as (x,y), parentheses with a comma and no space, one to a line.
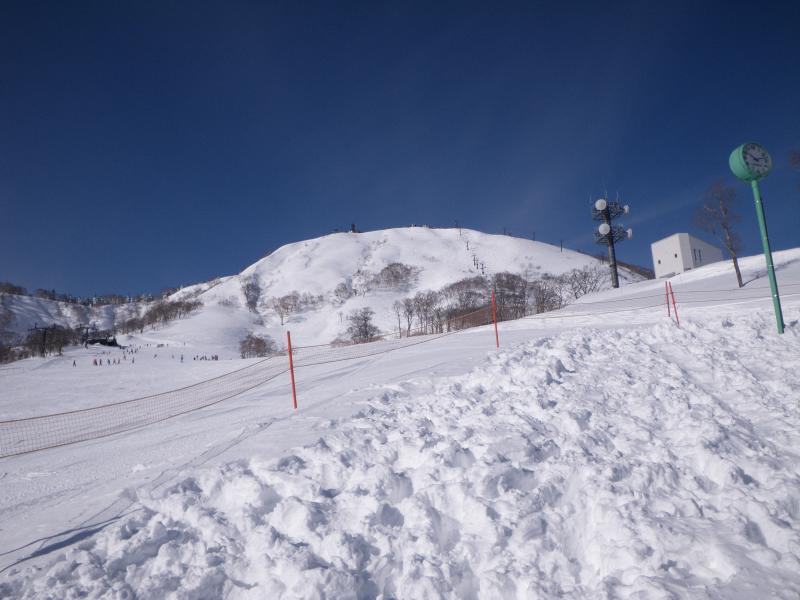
(608,234)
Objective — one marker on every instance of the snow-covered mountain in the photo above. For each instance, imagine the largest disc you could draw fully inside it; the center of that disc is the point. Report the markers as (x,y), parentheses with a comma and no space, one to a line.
(352,263)
(332,276)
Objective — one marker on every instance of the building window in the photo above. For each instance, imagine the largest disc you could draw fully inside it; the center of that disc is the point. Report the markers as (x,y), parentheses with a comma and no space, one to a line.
(676,255)
(659,261)
(699,256)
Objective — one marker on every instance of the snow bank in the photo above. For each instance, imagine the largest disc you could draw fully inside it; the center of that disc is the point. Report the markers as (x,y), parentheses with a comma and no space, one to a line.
(647,463)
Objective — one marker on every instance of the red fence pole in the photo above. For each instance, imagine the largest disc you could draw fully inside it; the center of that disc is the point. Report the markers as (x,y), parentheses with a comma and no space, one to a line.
(666,296)
(291,368)
(675,306)
(494,318)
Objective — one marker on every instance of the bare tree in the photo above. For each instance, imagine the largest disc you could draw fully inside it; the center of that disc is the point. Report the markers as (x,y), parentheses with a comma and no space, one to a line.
(9,288)
(586,280)
(161,312)
(716,216)
(279,308)
(343,291)
(395,276)
(361,328)
(466,294)
(398,311)
(51,340)
(7,353)
(285,305)
(425,304)
(6,316)
(408,313)
(510,295)
(547,293)
(252,292)
(257,346)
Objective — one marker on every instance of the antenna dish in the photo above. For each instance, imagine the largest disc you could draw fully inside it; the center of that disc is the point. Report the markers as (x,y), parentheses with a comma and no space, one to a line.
(626,209)
(601,204)
(629,233)
(604,228)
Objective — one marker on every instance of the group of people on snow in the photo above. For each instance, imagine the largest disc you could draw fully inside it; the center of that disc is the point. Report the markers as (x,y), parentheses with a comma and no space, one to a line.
(132,350)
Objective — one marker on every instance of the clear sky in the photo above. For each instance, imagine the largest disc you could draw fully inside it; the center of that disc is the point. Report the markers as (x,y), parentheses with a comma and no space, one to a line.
(154,144)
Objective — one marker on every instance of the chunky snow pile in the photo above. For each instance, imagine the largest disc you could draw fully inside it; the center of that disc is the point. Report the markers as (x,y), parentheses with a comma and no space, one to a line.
(641,463)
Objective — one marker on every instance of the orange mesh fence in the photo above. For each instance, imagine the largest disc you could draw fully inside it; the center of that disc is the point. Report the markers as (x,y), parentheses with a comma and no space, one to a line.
(20,436)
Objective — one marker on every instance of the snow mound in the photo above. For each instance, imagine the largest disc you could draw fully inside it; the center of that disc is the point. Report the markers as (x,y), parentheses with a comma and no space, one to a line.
(647,463)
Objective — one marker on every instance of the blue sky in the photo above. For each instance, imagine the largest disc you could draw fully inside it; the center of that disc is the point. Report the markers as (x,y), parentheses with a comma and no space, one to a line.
(153,144)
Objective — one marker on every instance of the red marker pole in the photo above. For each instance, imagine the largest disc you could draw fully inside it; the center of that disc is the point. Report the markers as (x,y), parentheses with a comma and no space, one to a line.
(494,318)
(291,368)
(666,296)
(675,306)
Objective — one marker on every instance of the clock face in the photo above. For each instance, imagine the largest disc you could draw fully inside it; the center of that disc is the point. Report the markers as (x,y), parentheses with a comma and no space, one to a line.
(757,159)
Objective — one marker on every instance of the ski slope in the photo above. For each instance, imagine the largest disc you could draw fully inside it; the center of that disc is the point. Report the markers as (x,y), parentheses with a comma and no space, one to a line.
(602,452)
(316,267)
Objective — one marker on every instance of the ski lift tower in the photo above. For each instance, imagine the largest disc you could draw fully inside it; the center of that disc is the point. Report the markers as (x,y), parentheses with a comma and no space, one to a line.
(608,234)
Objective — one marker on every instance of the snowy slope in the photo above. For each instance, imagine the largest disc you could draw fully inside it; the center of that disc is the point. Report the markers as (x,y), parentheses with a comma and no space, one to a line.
(27,311)
(316,267)
(604,452)
(520,479)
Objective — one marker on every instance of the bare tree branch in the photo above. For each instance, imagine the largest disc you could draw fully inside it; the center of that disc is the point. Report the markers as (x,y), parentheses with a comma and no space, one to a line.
(716,216)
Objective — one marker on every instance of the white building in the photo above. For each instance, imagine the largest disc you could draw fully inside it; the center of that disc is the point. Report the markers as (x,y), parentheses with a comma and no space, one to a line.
(681,252)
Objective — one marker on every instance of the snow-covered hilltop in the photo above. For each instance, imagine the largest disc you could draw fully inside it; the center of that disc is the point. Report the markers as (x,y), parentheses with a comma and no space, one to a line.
(310,287)
(336,274)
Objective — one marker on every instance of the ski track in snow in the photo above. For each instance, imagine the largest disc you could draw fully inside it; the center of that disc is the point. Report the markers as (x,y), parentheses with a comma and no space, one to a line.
(642,463)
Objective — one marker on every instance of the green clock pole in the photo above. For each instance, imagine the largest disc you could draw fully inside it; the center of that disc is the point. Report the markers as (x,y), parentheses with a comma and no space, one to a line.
(773,283)
(751,162)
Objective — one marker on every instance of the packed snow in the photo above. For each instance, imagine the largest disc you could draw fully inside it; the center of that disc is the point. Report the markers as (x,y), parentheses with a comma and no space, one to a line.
(603,452)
